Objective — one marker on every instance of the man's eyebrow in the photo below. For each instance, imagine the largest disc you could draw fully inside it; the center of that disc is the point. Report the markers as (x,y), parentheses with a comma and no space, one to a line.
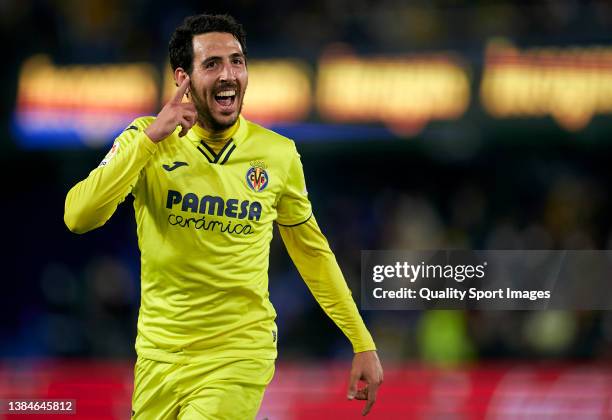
(217,57)
(238,55)
(211,58)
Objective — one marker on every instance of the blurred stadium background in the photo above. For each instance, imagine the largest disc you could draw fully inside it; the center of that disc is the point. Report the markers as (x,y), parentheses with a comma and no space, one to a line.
(421,124)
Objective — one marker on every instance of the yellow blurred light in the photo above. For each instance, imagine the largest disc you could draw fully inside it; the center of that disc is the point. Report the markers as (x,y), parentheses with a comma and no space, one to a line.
(92,101)
(404,93)
(569,84)
(279,91)
(125,87)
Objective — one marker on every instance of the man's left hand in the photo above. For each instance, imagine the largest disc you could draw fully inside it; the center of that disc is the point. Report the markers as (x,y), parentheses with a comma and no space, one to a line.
(366,367)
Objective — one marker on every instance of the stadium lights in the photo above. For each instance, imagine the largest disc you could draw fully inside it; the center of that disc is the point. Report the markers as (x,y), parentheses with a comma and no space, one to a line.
(75,104)
(570,84)
(403,93)
(81,103)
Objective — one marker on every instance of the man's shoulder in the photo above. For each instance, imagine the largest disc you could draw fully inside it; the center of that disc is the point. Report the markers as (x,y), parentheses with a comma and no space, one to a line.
(272,138)
(131,131)
(140,123)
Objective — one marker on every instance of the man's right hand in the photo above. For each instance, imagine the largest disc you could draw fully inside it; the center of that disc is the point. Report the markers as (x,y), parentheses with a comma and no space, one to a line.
(173,114)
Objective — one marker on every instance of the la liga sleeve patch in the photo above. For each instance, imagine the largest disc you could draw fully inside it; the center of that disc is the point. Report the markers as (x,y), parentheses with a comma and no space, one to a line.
(110,155)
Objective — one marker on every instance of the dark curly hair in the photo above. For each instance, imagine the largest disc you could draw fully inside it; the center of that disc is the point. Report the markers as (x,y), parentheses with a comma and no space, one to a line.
(181,42)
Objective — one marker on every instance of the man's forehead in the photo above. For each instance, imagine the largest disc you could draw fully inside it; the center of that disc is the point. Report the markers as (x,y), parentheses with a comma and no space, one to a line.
(215,44)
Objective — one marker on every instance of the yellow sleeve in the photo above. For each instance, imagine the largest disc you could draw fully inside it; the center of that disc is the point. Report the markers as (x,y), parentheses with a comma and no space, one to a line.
(91,202)
(293,206)
(317,265)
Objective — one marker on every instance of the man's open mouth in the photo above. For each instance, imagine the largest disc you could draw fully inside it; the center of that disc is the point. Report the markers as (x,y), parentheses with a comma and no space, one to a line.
(226,98)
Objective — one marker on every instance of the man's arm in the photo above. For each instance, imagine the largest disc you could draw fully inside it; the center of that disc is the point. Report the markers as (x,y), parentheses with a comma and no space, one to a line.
(317,265)
(91,202)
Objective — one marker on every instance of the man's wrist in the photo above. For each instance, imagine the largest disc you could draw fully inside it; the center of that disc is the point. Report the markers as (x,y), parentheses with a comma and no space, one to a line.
(152,135)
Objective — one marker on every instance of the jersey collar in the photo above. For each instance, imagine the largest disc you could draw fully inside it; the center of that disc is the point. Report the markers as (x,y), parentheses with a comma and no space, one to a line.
(234,136)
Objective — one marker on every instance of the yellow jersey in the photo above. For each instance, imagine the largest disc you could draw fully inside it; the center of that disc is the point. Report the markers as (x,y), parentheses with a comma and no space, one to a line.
(204,224)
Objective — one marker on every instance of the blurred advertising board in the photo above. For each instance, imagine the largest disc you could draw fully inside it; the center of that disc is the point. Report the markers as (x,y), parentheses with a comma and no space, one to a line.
(102,390)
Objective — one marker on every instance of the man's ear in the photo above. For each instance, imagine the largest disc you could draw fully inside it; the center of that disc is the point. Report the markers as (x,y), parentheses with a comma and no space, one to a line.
(179,76)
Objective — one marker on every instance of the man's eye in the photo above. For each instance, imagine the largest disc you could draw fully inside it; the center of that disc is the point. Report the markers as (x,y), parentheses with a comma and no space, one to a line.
(210,64)
(237,60)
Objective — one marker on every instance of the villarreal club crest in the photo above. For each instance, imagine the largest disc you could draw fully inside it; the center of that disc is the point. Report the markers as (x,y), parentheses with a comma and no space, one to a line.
(257,177)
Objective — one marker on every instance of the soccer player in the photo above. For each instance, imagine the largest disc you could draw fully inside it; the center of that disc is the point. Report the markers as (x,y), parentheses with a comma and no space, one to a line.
(207,187)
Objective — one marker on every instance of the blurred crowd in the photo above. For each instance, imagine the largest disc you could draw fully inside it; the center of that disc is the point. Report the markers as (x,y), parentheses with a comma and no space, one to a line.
(96,30)
(508,188)
(80,294)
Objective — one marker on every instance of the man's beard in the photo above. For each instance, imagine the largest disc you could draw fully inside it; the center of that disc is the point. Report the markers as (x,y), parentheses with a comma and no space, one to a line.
(205,117)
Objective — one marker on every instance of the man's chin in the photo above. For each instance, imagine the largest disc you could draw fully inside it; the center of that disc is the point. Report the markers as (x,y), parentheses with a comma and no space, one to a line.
(225,121)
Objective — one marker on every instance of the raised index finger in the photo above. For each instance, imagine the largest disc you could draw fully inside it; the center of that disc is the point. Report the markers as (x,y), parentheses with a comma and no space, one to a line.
(180,92)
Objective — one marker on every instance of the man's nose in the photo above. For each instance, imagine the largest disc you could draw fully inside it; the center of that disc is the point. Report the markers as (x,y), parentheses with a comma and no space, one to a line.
(227,73)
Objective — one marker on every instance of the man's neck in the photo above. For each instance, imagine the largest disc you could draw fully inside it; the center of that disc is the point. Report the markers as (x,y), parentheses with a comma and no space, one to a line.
(215,136)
